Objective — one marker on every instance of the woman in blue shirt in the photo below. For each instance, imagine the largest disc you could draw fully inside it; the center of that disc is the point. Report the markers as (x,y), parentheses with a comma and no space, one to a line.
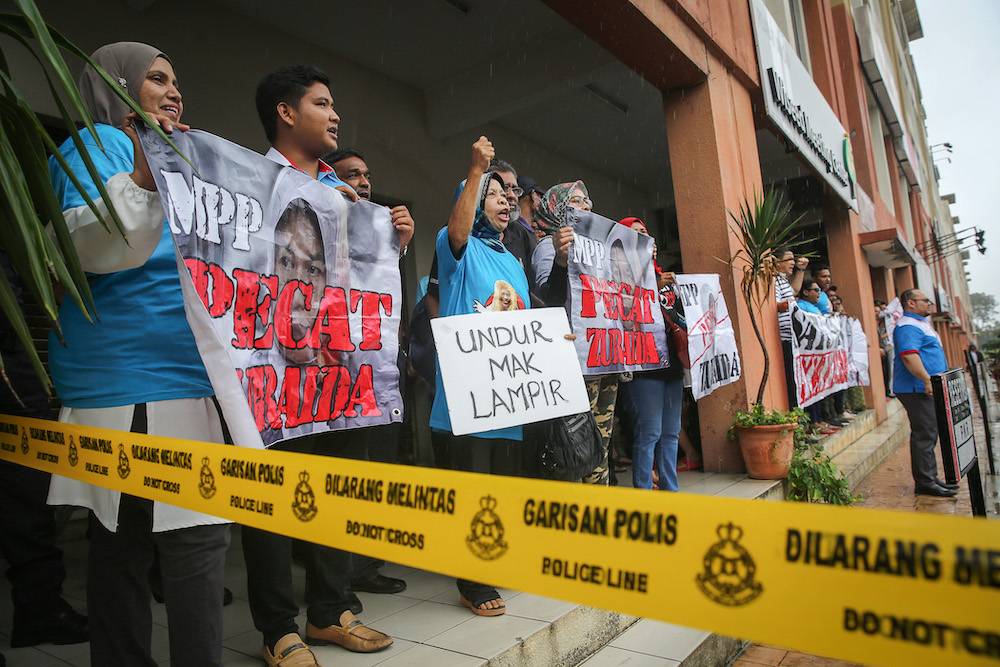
(136,369)
(477,273)
(808,301)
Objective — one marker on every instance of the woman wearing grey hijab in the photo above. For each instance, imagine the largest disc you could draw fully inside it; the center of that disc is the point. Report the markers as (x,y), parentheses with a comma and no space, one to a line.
(136,369)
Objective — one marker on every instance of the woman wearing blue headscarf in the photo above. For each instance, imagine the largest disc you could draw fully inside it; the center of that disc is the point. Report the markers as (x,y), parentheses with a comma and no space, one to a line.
(475,270)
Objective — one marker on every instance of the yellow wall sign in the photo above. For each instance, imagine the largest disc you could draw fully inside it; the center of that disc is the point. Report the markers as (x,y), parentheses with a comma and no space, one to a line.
(878,587)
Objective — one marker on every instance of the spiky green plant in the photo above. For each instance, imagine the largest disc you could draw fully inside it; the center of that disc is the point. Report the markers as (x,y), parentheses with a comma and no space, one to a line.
(762,229)
(27,200)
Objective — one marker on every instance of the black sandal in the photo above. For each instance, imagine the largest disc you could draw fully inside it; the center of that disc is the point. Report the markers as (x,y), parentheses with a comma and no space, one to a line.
(487,596)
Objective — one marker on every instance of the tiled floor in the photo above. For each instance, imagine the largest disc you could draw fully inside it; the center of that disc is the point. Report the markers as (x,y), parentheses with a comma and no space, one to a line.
(428,624)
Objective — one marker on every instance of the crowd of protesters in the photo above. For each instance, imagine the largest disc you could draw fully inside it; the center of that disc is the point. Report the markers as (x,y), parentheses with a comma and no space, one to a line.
(139,370)
(815,294)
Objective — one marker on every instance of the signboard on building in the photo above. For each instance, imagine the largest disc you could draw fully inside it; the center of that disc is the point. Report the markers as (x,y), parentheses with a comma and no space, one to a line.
(795,104)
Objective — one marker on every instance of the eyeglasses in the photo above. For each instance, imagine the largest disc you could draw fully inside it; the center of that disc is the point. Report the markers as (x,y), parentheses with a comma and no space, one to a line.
(513,188)
(581,201)
(930,301)
(811,289)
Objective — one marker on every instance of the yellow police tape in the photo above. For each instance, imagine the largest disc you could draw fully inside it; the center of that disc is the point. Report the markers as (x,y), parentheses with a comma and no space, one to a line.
(886,588)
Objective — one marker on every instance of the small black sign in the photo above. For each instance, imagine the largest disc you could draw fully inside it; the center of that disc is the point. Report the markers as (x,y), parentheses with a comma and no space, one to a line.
(954,415)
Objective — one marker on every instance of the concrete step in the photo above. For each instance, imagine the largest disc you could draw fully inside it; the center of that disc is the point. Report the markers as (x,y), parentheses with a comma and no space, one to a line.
(867,448)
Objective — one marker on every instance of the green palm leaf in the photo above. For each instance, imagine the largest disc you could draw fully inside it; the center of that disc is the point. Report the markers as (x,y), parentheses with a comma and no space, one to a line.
(27,200)
(762,229)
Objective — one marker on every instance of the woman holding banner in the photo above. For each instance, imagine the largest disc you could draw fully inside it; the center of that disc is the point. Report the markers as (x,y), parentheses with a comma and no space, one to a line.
(475,271)
(809,302)
(137,369)
(655,398)
(550,260)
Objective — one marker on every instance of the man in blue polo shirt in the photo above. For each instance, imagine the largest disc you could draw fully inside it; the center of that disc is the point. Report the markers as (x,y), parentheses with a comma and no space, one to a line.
(919,355)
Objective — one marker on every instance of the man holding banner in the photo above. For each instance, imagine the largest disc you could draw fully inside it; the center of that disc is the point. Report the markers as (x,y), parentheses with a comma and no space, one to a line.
(919,355)
(295,106)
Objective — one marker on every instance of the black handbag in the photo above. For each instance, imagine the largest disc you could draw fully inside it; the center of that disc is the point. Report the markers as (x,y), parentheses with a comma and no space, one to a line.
(570,447)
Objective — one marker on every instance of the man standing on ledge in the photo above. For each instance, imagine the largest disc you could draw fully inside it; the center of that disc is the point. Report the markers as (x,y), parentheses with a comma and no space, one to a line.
(919,355)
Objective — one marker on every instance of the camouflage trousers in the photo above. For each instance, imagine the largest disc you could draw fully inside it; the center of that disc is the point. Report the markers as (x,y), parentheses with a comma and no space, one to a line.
(856,399)
(603,392)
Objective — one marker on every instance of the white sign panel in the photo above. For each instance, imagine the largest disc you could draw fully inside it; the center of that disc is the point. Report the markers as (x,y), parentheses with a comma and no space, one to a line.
(715,361)
(795,104)
(507,368)
(858,369)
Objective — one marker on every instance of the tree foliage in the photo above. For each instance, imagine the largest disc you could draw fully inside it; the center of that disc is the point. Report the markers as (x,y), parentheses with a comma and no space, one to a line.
(984,310)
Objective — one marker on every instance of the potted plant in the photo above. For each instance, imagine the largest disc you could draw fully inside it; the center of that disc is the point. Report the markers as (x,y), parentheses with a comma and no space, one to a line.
(766,437)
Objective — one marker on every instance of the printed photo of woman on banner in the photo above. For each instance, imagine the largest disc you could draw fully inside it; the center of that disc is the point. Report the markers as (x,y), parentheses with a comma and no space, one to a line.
(302,287)
(613,300)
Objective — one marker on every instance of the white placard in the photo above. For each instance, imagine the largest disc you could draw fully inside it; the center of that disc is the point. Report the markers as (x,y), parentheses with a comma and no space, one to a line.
(502,369)
(715,358)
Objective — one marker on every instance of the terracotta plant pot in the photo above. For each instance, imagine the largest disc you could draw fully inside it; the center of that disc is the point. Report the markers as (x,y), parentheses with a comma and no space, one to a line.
(767,452)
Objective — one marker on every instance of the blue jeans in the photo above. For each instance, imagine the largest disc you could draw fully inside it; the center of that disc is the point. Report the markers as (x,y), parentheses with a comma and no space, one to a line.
(656,411)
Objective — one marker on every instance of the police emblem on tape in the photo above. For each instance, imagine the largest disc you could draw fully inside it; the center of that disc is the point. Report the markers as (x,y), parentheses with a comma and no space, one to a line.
(304,505)
(486,540)
(729,570)
(74,455)
(123,465)
(206,480)
(24,441)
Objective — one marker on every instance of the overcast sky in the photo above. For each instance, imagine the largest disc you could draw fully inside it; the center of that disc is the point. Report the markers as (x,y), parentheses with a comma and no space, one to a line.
(958,65)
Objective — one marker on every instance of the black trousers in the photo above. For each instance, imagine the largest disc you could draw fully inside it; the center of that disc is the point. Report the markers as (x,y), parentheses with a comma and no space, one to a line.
(28,543)
(379,444)
(786,352)
(923,436)
(27,525)
(193,568)
(268,559)
(492,456)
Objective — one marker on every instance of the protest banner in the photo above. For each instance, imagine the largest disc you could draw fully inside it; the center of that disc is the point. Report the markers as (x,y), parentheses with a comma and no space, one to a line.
(857,344)
(507,368)
(715,360)
(301,287)
(612,301)
(882,588)
(819,356)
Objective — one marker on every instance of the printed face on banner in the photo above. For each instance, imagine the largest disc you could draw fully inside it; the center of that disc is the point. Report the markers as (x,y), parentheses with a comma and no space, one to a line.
(613,300)
(299,263)
(302,288)
(715,360)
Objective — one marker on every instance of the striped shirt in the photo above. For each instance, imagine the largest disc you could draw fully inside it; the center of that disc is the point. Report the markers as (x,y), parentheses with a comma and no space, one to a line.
(783,292)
